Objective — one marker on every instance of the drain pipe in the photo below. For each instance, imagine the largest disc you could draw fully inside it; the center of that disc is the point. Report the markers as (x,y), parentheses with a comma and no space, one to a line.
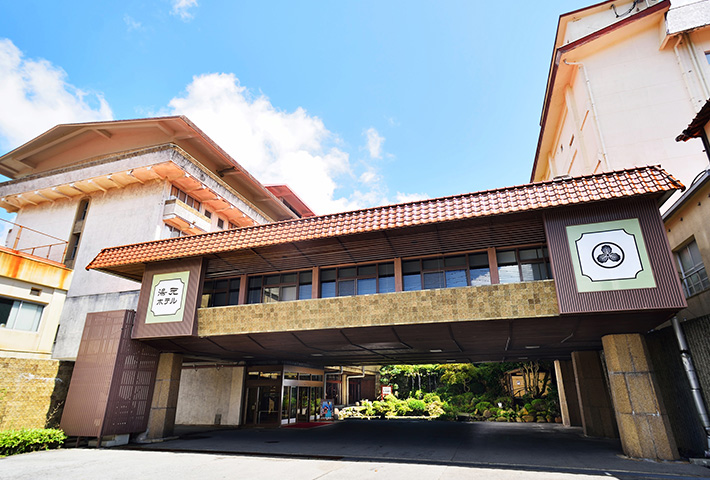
(594,109)
(693,379)
(347,383)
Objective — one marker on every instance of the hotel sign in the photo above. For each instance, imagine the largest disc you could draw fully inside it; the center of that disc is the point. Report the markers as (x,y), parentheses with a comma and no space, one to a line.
(167,297)
(609,256)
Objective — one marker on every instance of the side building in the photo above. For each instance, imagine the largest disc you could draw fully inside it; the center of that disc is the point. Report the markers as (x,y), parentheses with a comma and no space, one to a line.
(92,185)
(625,79)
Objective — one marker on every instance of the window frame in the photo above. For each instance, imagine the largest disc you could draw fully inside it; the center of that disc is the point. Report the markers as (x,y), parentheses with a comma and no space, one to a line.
(12,320)
(698,269)
(210,291)
(339,281)
(186,198)
(303,278)
(544,260)
(443,268)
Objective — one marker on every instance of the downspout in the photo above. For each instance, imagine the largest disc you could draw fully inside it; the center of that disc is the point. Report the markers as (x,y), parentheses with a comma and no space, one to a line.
(594,110)
(696,64)
(693,380)
(693,101)
(347,382)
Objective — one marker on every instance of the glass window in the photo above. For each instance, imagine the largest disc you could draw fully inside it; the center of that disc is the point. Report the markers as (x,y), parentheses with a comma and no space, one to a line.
(220,292)
(20,315)
(280,287)
(185,198)
(693,275)
(446,272)
(523,265)
(357,280)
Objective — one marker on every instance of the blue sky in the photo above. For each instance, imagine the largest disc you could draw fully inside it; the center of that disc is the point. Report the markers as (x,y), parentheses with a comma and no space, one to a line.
(353,104)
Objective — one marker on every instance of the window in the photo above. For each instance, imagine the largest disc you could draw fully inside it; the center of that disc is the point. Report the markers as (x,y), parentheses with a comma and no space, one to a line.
(176,232)
(220,224)
(446,272)
(523,265)
(280,287)
(357,280)
(20,315)
(232,226)
(220,292)
(185,198)
(208,214)
(77,229)
(692,270)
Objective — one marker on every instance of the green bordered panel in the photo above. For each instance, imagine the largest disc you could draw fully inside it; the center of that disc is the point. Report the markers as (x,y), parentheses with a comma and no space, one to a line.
(167,297)
(609,256)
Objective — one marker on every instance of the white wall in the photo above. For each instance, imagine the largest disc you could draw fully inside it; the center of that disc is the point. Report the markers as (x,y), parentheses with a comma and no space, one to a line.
(642,103)
(207,392)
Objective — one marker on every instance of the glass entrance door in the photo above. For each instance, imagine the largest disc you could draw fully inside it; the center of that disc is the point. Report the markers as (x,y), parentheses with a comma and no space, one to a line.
(303,404)
(251,410)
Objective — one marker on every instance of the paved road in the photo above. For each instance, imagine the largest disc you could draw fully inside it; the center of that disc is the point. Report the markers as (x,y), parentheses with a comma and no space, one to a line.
(388,450)
(80,464)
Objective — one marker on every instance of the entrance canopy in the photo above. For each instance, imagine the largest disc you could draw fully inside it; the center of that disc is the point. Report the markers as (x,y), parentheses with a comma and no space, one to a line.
(533,271)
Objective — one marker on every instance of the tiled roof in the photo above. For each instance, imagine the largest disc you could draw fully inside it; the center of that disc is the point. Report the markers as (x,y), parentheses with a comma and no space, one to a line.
(535,196)
(696,127)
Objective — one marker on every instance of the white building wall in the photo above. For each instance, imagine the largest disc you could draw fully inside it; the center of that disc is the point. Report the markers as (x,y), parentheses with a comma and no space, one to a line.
(206,393)
(642,103)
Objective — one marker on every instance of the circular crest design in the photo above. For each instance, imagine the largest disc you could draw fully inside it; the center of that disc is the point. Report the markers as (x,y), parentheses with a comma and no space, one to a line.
(608,255)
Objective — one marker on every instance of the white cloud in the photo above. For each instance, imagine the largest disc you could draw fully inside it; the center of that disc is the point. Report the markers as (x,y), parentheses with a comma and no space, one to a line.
(35,96)
(132,23)
(374,142)
(410,197)
(181,8)
(277,147)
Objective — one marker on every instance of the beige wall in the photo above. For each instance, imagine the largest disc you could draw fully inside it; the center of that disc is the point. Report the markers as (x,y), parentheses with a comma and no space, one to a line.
(645,93)
(209,391)
(691,222)
(18,276)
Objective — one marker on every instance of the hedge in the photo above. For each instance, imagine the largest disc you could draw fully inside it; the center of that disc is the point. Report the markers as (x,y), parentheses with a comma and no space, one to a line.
(30,440)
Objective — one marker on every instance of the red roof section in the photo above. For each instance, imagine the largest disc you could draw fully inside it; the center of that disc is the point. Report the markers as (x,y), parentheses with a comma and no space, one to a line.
(535,196)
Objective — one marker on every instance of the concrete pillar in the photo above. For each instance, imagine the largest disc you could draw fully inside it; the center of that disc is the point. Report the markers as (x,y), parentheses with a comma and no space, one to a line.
(161,422)
(643,423)
(594,402)
(567,391)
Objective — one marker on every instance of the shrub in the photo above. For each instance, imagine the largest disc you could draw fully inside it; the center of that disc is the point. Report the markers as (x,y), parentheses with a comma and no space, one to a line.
(538,404)
(30,440)
(431,397)
(507,402)
(436,409)
(481,406)
(416,406)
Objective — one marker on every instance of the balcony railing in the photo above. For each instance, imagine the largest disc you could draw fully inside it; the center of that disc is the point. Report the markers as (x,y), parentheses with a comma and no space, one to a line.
(34,242)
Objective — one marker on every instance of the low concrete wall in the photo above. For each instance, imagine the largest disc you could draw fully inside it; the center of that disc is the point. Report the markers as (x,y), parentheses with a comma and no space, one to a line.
(32,392)
(210,396)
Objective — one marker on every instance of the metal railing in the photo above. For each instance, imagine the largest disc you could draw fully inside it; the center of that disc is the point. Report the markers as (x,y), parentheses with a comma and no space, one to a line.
(32,250)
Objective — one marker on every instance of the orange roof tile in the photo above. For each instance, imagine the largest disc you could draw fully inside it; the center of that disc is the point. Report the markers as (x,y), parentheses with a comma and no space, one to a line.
(535,196)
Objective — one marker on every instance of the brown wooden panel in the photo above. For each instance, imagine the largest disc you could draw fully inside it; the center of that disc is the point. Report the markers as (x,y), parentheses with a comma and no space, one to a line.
(667,293)
(188,325)
(113,379)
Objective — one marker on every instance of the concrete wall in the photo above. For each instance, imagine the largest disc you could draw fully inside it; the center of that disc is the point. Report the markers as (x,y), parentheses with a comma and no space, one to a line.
(73,317)
(208,392)
(32,392)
